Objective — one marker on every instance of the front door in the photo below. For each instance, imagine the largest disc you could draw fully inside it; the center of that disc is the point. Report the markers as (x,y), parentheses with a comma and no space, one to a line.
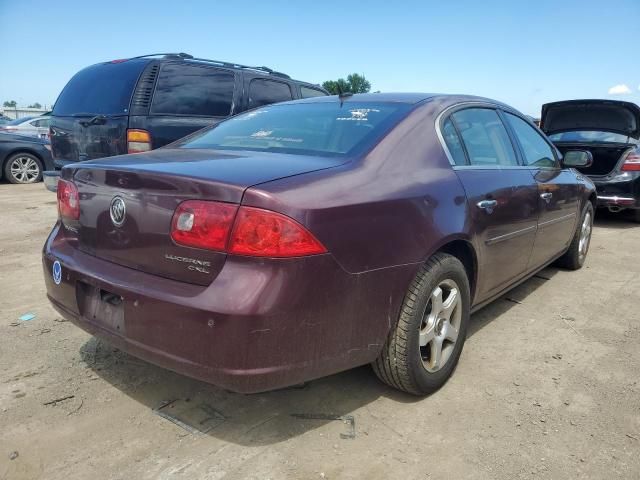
(558,192)
(502,196)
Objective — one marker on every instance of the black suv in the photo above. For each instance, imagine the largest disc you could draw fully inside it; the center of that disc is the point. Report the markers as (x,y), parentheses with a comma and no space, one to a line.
(138,104)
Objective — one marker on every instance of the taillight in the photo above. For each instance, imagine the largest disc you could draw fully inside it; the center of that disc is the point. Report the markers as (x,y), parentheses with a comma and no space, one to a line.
(138,141)
(203,224)
(263,233)
(632,162)
(68,200)
(241,231)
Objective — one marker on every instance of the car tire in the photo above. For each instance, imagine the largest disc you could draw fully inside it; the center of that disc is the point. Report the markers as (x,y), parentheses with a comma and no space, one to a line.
(575,256)
(409,358)
(23,168)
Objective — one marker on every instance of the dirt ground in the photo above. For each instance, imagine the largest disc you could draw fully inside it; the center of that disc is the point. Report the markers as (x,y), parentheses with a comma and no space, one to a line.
(548,386)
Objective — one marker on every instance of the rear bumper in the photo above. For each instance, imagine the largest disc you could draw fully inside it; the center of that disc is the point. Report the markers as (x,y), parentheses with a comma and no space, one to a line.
(261,324)
(621,191)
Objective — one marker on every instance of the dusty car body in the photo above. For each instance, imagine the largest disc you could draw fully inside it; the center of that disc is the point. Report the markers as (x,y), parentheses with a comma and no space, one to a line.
(294,241)
(610,130)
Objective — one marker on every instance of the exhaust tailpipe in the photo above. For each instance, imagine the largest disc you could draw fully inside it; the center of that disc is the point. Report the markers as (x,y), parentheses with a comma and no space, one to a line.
(615,209)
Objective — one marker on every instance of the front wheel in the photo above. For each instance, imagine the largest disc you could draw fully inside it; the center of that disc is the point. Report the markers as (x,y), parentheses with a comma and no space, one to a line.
(23,168)
(423,349)
(575,256)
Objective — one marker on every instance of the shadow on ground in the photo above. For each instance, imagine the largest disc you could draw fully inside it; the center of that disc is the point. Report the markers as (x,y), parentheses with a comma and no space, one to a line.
(266,418)
(615,221)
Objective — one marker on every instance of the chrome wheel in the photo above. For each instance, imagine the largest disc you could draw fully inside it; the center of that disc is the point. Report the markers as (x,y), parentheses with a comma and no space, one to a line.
(440,325)
(585,236)
(24,169)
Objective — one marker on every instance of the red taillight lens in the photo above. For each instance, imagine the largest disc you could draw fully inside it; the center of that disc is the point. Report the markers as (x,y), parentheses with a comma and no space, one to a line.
(138,141)
(263,233)
(632,162)
(68,200)
(242,231)
(203,224)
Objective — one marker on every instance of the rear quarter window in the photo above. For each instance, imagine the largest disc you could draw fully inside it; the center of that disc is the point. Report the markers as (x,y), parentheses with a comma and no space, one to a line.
(308,92)
(104,89)
(193,90)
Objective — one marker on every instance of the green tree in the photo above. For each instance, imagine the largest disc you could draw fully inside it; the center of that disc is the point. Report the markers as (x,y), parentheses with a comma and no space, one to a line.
(35,105)
(10,103)
(355,83)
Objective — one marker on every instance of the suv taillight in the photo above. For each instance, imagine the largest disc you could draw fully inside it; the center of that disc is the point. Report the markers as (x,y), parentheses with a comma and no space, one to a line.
(68,200)
(632,162)
(241,230)
(138,141)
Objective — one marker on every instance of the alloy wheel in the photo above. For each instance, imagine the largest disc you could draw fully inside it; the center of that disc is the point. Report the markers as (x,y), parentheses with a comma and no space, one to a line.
(24,169)
(440,325)
(585,236)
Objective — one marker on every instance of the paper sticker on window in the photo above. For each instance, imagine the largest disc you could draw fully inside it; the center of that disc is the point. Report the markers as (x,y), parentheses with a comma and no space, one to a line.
(358,114)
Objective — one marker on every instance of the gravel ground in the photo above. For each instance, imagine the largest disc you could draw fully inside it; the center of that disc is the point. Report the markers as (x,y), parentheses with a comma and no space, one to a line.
(547,387)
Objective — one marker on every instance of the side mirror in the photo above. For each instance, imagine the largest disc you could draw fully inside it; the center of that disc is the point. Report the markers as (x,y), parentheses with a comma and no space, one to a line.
(577,158)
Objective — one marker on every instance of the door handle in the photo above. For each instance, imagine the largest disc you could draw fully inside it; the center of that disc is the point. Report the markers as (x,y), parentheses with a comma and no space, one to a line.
(487,205)
(546,196)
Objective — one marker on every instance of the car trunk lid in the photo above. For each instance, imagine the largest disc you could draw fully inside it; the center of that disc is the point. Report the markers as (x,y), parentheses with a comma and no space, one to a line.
(151,186)
(596,115)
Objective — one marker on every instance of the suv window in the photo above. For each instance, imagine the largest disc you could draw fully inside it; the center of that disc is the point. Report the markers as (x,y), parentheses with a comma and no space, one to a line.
(103,89)
(308,92)
(193,90)
(537,152)
(265,92)
(485,137)
(41,123)
(454,145)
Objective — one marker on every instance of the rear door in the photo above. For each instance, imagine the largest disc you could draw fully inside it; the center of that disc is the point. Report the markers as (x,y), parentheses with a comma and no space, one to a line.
(558,191)
(502,195)
(90,117)
(184,97)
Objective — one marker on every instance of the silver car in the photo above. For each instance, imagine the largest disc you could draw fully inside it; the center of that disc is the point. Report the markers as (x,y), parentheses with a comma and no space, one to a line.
(31,126)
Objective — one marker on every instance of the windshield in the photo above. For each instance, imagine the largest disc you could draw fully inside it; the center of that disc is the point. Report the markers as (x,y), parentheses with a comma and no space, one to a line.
(104,89)
(324,128)
(589,136)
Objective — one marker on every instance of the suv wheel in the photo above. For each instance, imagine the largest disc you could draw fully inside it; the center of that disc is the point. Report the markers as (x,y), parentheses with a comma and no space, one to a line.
(423,349)
(23,168)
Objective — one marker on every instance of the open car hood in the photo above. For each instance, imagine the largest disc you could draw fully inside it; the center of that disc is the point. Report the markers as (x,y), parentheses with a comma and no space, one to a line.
(600,115)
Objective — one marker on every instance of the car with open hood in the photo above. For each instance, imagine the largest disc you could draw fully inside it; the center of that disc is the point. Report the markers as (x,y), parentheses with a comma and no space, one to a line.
(304,238)
(610,131)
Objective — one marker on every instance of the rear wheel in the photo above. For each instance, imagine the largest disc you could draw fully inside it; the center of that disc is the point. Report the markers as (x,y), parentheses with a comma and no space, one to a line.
(423,349)
(575,256)
(23,168)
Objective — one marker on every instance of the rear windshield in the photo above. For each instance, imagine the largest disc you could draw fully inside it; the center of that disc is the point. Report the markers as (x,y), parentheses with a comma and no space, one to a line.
(325,129)
(589,136)
(103,89)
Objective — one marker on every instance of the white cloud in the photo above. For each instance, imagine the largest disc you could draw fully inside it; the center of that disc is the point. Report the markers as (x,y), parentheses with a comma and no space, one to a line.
(619,89)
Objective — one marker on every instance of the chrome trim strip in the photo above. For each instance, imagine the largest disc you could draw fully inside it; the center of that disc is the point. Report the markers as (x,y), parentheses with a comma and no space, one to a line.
(616,198)
(564,218)
(509,236)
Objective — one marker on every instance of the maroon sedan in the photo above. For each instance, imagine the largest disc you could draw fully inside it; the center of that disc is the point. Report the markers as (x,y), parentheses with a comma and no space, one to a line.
(309,237)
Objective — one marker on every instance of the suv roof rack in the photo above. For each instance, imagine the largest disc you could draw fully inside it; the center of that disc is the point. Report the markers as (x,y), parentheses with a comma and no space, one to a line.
(186,56)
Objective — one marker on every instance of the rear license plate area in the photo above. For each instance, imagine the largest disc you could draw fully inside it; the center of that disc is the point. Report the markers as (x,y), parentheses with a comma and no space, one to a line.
(101,307)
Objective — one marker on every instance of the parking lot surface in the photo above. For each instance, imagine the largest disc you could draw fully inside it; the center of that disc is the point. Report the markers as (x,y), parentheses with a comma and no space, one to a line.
(548,386)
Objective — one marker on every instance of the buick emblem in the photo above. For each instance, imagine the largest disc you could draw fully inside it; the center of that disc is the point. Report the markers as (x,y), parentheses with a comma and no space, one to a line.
(118,211)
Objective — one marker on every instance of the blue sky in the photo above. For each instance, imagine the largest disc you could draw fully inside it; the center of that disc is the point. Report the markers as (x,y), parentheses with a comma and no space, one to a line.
(523,53)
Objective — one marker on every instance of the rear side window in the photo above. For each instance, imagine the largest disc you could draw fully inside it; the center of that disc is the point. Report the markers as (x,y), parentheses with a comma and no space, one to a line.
(485,137)
(265,92)
(453,143)
(308,92)
(103,89)
(193,90)
(537,152)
